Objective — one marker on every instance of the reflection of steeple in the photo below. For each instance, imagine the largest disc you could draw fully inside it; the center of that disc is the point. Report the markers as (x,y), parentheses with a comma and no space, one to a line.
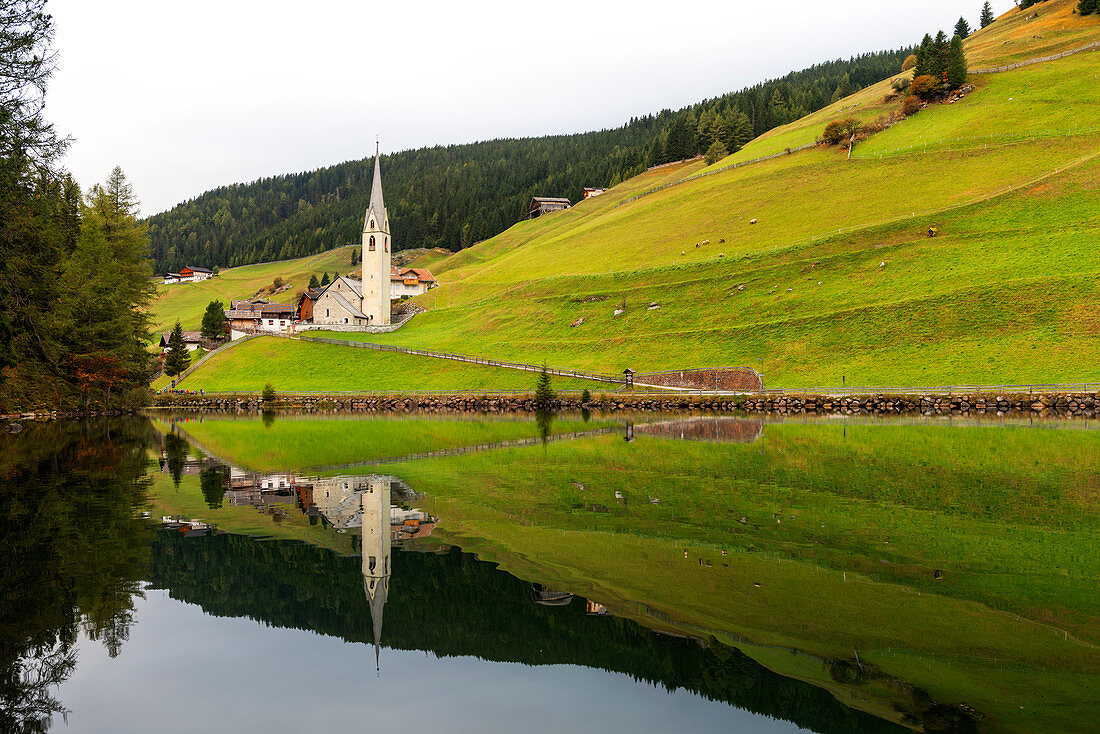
(376,552)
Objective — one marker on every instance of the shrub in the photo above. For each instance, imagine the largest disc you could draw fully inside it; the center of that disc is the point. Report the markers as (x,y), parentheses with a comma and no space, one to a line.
(277,284)
(268,393)
(586,397)
(900,85)
(926,87)
(909,63)
(911,105)
(840,130)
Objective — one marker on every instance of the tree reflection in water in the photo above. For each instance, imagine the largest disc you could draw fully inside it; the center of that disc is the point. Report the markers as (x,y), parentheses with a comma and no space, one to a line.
(74,554)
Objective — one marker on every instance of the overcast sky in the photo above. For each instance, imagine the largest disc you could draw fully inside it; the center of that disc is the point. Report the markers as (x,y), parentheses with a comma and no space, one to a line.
(189,96)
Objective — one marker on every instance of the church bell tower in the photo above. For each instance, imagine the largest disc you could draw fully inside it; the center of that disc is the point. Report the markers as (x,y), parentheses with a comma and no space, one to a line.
(376,253)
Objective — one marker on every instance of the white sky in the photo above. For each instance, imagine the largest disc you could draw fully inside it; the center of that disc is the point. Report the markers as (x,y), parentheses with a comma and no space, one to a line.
(189,96)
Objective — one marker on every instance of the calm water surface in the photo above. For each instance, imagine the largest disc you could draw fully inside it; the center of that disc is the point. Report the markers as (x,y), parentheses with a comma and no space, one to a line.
(584,572)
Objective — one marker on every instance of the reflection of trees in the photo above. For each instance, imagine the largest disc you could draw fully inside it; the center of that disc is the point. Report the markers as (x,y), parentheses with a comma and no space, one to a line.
(453,604)
(73,552)
(213,481)
(176,449)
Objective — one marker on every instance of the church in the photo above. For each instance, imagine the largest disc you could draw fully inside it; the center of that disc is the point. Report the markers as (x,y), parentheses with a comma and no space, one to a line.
(363,302)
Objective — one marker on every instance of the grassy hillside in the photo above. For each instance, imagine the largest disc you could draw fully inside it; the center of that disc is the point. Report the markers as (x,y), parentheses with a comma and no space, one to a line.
(186,302)
(293,365)
(838,279)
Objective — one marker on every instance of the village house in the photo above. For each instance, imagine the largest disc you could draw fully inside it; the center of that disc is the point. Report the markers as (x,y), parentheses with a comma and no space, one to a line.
(305,304)
(590,191)
(545,205)
(257,316)
(189,274)
(405,282)
(191,339)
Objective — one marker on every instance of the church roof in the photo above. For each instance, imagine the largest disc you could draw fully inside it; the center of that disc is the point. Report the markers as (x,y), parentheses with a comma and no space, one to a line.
(344,302)
(377,205)
(356,285)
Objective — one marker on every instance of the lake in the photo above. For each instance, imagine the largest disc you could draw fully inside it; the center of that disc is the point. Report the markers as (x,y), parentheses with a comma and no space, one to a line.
(642,573)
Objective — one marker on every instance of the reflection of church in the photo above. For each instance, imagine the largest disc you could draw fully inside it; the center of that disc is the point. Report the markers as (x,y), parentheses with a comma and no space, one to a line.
(375,514)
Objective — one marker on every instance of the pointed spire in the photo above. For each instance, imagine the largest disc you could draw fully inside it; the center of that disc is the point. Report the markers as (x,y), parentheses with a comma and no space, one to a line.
(377,205)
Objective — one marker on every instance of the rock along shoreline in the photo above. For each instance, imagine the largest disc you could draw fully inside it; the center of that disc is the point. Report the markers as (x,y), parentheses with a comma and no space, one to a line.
(1076,404)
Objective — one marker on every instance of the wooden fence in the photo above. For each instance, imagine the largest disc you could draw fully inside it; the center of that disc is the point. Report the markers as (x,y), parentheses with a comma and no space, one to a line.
(557,371)
(730,167)
(1040,60)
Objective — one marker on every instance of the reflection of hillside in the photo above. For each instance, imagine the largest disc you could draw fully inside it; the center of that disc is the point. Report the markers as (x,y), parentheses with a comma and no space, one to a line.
(719,429)
(454,605)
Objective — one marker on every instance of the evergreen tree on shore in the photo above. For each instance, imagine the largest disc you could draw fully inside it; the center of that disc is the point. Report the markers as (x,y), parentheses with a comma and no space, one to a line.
(177,358)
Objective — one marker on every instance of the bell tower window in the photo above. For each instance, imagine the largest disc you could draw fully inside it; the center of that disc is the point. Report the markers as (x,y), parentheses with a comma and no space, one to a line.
(371,246)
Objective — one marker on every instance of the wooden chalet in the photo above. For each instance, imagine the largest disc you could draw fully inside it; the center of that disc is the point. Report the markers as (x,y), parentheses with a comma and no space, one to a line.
(191,339)
(544,205)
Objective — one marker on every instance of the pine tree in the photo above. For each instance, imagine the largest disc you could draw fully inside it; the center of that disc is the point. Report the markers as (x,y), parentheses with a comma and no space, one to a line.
(325,280)
(213,321)
(742,132)
(987,15)
(956,64)
(313,282)
(924,57)
(544,394)
(941,48)
(1088,7)
(177,358)
(962,28)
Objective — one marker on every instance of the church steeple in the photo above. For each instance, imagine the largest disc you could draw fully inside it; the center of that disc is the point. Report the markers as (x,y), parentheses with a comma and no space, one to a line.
(376,252)
(377,206)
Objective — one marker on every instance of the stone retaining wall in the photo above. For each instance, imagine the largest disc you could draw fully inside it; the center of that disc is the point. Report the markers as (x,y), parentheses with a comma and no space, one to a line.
(1083,405)
(741,379)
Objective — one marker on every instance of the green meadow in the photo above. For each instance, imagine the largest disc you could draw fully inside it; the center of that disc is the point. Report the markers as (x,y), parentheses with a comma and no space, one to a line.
(291,365)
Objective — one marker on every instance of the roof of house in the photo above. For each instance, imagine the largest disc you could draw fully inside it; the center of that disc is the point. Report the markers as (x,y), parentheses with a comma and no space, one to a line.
(197,269)
(421,274)
(188,336)
(172,275)
(277,308)
(549,200)
(344,302)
